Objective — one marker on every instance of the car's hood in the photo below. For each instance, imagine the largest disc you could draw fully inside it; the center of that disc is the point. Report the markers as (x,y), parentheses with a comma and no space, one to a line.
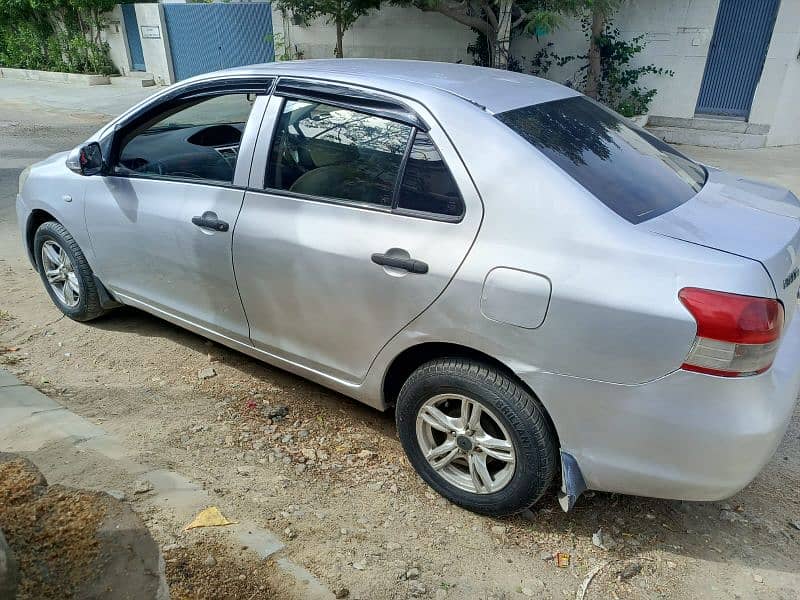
(744,217)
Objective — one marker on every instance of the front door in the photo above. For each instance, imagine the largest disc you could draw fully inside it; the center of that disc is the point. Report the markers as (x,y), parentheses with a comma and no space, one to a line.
(133,36)
(161,223)
(359,228)
(736,57)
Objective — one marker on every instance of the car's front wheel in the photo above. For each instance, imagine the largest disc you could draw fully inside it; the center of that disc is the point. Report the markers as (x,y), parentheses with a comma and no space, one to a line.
(476,436)
(65,273)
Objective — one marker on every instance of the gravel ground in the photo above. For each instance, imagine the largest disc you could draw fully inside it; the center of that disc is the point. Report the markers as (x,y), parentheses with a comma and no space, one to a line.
(331,475)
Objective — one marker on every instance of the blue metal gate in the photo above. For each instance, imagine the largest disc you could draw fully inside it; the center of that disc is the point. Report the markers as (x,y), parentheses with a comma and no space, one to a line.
(207,37)
(736,56)
(134,39)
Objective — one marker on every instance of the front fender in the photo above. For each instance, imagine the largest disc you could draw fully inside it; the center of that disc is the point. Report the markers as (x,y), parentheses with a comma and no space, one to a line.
(53,192)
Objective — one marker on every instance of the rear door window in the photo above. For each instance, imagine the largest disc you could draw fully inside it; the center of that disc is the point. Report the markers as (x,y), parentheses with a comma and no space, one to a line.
(333,152)
(633,173)
(427,184)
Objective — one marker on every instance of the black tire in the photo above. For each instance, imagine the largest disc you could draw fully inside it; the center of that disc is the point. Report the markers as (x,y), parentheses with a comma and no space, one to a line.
(88,306)
(524,418)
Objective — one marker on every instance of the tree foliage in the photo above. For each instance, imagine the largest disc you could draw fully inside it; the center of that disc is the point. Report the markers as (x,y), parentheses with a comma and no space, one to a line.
(341,13)
(498,21)
(55,35)
(618,83)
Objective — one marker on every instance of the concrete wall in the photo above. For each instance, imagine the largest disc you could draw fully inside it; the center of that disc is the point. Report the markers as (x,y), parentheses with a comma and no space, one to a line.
(392,32)
(678,34)
(114,35)
(156,50)
(777,99)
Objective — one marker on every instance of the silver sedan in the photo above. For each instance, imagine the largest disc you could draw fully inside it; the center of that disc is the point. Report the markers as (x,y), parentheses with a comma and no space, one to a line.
(541,291)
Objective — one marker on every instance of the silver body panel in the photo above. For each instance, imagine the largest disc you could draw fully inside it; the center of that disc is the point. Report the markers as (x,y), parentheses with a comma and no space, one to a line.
(538,274)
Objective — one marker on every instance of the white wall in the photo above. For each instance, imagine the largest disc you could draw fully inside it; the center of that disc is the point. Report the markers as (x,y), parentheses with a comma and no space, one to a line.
(678,34)
(156,51)
(114,35)
(392,32)
(777,99)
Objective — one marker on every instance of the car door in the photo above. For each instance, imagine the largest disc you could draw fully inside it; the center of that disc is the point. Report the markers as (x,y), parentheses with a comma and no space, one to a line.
(162,220)
(356,219)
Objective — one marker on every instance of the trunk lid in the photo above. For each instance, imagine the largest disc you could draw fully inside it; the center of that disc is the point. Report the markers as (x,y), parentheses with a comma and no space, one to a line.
(743,217)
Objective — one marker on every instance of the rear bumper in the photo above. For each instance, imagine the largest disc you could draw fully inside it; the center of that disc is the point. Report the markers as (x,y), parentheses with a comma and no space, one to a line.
(685,436)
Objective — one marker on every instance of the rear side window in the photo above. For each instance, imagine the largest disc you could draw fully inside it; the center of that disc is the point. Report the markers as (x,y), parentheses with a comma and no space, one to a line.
(633,173)
(427,184)
(333,152)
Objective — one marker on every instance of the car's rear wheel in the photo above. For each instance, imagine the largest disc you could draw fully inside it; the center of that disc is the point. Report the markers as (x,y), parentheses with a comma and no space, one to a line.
(476,436)
(65,273)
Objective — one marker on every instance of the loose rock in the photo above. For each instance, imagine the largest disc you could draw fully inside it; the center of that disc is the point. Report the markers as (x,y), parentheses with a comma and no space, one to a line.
(603,540)
(630,570)
(277,412)
(206,373)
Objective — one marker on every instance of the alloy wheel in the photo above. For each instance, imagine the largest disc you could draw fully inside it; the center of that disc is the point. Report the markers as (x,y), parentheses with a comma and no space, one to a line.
(466,443)
(60,274)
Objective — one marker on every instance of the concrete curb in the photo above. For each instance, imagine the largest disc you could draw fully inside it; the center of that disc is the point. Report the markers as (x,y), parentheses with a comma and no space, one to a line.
(54,76)
(29,421)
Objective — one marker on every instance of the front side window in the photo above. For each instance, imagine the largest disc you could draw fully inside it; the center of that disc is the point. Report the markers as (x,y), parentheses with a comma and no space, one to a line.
(633,173)
(333,152)
(197,140)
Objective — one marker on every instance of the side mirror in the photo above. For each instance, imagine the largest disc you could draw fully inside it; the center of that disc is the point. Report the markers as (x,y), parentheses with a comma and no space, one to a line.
(86,160)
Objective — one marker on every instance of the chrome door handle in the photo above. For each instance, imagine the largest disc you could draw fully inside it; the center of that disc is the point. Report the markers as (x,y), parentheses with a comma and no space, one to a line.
(398,262)
(209,220)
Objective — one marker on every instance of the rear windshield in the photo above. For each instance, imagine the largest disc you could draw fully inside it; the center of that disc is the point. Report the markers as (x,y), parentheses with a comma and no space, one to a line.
(633,173)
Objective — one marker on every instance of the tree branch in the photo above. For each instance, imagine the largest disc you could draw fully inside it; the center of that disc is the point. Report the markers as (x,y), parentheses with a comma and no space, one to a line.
(458,15)
(521,19)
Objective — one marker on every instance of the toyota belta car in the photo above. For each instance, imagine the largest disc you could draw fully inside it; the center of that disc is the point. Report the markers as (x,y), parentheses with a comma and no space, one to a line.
(546,295)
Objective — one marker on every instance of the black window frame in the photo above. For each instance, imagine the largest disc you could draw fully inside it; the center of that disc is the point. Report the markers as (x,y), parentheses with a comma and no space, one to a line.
(333,95)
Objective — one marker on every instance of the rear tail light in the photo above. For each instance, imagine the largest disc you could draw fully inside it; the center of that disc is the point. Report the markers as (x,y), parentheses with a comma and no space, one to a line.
(736,335)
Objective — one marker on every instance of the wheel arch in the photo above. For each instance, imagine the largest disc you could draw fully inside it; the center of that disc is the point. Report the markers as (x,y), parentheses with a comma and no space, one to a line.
(35,220)
(415,356)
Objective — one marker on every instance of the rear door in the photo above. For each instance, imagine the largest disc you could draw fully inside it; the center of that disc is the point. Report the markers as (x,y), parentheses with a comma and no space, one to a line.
(360,219)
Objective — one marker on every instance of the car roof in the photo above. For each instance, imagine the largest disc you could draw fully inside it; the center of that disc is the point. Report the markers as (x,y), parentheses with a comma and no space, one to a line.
(493,89)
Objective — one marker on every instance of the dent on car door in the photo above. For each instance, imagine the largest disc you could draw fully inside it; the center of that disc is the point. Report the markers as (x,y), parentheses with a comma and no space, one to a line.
(161,221)
(359,226)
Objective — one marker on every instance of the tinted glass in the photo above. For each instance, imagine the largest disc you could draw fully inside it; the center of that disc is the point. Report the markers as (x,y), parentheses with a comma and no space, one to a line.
(197,140)
(333,152)
(427,183)
(633,173)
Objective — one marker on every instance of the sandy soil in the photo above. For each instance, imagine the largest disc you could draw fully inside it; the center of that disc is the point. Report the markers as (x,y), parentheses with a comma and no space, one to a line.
(332,477)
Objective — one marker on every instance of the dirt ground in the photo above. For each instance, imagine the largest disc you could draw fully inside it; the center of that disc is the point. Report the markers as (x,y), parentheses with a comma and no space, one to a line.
(330,476)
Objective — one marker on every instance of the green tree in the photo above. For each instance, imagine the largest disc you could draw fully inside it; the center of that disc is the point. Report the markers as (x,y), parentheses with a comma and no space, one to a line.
(600,11)
(341,13)
(499,20)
